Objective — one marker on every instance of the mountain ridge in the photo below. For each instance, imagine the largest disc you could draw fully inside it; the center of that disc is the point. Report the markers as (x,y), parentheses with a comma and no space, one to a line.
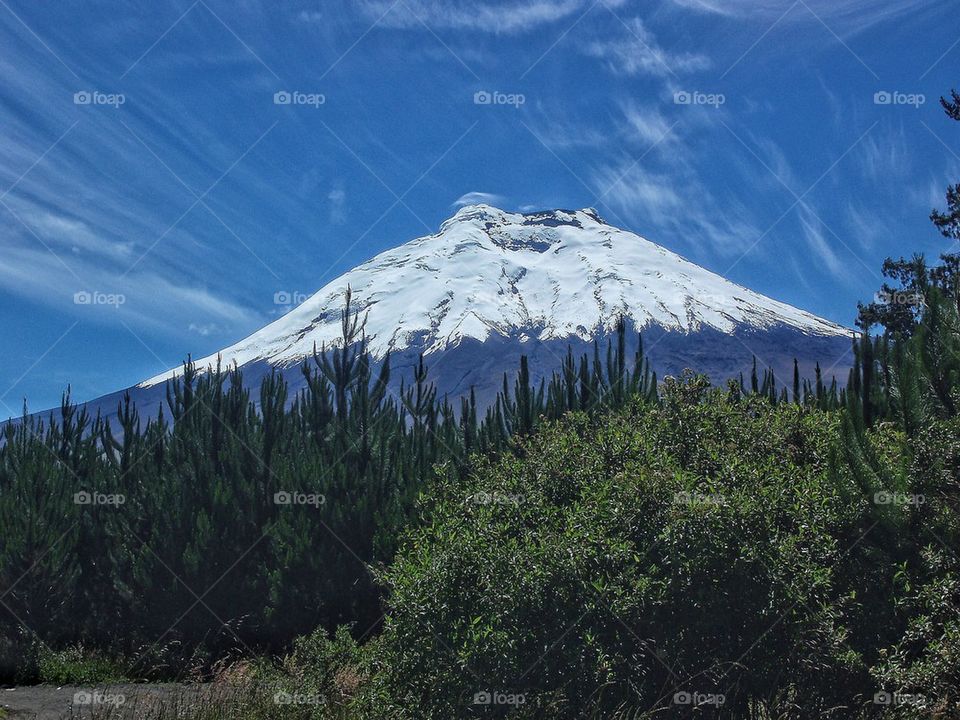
(533,277)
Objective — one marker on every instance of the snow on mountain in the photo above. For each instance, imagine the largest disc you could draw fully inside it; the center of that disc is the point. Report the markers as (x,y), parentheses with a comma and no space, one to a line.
(490,275)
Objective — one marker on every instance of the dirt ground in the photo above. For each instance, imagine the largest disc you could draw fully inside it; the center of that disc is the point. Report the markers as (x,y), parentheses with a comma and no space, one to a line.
(46,702)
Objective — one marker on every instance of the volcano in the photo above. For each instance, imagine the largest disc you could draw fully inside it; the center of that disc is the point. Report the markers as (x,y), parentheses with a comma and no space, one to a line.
(492,285)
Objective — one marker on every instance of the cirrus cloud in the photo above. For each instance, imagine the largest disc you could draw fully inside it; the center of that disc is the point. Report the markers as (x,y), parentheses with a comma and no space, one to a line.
(492,17)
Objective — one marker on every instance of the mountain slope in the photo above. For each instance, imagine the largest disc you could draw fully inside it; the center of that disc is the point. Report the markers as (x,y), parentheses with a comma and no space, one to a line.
(512,281)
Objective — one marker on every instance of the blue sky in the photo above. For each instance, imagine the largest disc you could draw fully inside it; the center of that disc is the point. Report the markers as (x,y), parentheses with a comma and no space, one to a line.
(162,211)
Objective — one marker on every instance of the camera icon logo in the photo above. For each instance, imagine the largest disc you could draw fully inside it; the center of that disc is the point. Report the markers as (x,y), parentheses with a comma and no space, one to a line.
(482,97)
(83,697)
(883,698)
(482,698)
(82,498)
(882,98)
(282,297)
(682,698)
(682,97)
(82,298)
(283,498)
(282,97)
(82,98)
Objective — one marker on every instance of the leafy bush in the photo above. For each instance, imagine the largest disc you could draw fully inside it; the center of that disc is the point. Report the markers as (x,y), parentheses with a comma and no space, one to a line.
(78,666)
(619,564)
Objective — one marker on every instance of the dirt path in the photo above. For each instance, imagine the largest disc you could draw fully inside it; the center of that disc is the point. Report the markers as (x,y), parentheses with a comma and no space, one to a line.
(45,702)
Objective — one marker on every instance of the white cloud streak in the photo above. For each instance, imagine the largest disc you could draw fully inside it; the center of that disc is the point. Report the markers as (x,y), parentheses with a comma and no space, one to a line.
(846,17)
(501,18)
(824,255)
(34,274)
(635,51)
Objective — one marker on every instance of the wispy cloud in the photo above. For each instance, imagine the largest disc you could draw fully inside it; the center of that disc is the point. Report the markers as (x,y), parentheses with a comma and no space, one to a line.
(867,227)
(204,329)
(822,250)
(885,155)
(491,17)
(337,199)
(558,131)
(646,124)
(37,275)
(643,194)
(848,16)
(76,236)
(666,194)
(635,51)
(660,205)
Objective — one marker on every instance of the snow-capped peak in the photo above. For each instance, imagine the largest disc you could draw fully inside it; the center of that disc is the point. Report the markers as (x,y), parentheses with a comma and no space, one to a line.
(488,214)
(535,276)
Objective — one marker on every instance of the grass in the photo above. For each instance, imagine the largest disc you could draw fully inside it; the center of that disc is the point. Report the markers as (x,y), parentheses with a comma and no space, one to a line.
(77,666)
(220,701)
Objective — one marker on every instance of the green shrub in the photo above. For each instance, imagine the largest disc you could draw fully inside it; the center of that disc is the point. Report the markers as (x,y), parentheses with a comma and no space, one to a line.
(685,549)
(78,666)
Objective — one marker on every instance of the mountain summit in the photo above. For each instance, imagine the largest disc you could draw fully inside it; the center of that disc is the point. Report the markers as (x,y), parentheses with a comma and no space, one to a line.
(490,286)
(490,278)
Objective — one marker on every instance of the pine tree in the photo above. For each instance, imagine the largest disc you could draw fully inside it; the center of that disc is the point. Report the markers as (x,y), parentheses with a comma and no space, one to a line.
(796,382)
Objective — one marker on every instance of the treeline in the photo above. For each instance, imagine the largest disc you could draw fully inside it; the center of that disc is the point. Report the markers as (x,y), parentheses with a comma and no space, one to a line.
(233,523)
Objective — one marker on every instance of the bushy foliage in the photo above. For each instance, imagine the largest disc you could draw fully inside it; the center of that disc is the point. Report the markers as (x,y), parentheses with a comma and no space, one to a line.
(705,546)
(77,666)
(686,548)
